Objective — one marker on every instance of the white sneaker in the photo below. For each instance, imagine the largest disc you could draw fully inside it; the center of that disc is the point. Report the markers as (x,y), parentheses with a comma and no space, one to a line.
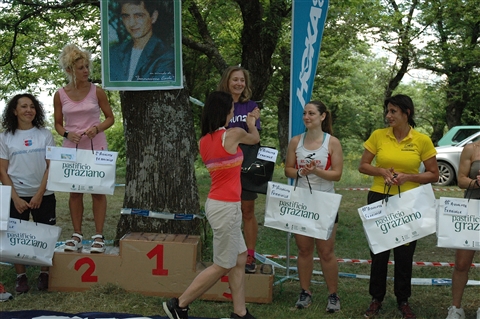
(478,313)
(455,313)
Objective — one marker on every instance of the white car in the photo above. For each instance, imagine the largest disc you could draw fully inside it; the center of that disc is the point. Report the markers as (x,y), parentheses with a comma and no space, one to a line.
(448,159)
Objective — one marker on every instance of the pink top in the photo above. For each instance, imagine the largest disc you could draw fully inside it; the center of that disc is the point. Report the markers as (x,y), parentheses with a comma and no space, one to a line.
(224,168)
(81,115)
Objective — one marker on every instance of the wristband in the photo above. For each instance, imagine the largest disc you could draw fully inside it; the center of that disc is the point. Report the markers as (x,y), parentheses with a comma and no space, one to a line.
(65,134)
(96,129)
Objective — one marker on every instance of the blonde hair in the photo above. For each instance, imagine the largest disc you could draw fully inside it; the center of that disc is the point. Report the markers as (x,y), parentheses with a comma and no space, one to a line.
(223,85)
(69,56)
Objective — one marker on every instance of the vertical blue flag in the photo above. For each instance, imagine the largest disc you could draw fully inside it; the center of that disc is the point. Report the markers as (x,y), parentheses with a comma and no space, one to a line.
(307,31)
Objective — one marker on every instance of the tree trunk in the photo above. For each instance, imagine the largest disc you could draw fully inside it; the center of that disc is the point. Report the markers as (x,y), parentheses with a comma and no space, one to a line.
(457,96)
(160,151)
(260,36)
(283,106)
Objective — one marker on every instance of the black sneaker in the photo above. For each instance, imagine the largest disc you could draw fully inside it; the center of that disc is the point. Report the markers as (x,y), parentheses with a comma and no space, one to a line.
(250,266)
(248,315)
(42,284)
(21,285)
(173,311)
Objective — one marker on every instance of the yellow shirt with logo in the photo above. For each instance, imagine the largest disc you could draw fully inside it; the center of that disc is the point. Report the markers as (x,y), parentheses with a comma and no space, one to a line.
(404,157)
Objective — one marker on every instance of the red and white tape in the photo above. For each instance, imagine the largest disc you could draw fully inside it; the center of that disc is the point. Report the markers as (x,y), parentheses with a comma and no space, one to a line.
(367,189)
(365,261)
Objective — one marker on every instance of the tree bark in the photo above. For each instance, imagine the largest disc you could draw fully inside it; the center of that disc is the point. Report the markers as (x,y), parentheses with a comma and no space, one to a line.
(457,98)
(160,153)
(260,36)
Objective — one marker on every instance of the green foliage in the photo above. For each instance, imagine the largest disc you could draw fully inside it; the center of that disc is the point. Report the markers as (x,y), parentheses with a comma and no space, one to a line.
(116,141)
(350,84)
(33,35)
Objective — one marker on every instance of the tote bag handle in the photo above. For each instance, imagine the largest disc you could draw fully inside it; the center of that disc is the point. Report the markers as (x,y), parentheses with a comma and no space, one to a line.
(91,144)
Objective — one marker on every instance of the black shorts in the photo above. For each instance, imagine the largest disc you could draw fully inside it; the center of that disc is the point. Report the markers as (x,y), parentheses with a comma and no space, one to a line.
(45,214)
(247,195)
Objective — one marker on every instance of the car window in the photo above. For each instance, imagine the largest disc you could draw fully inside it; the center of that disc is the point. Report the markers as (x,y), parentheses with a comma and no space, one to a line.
(463,134)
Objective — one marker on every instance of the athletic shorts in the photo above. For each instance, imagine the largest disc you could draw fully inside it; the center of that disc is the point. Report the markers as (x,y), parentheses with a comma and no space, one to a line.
(247,195)
(45,214)
(225,218)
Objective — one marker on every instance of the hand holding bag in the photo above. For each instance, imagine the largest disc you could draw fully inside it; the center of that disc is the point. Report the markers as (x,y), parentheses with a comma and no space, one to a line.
(256,173)
(300,210)
(91,172)
(458,223)
(397,220)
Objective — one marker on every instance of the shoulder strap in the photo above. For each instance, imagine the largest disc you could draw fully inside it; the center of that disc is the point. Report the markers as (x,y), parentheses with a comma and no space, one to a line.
(300,140)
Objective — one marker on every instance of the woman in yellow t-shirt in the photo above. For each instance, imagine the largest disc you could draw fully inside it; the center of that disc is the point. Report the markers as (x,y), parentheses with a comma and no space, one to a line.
(399,150)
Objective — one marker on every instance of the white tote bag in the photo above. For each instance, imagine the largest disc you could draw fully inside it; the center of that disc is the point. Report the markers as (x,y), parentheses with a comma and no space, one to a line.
(399,220)
(28,243)
(300,210)
(81,171)
(458,223)
(5,197)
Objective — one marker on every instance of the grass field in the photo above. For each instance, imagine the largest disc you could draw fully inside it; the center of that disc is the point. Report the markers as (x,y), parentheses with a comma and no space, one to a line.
(427,301)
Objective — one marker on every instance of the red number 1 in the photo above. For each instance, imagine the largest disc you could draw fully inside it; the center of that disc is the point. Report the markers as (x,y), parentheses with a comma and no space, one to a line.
(158,251)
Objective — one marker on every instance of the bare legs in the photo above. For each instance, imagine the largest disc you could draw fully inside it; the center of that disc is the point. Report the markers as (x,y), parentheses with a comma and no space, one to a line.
(20,269)
(76,211)
(250,226)
(463,262)
(328,260)
(207,278)
(99,207)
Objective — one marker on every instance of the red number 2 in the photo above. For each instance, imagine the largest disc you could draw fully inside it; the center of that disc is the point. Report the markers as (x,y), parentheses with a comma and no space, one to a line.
(87,275)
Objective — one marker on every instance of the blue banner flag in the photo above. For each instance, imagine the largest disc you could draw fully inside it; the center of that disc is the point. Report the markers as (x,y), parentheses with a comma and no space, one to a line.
(307,31)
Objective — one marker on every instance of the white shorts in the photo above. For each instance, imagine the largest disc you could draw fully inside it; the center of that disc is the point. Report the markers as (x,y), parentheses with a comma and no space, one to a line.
(225,218)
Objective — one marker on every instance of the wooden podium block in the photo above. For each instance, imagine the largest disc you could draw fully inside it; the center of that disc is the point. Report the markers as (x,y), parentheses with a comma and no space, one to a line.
(72,271)
(150,264)
(177,252)
(258,287)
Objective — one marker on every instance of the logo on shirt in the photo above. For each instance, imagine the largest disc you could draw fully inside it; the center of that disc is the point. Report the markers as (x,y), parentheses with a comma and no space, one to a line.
(409,147)
(28,142)
(238,118)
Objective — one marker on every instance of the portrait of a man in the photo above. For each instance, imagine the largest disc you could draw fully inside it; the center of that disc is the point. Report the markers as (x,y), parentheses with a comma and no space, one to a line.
(141,43)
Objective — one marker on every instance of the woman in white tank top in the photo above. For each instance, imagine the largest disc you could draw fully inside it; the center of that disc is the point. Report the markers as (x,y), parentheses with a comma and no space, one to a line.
(316,157)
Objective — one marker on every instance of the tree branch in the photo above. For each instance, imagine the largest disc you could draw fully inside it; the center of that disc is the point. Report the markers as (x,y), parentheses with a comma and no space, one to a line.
(208,46)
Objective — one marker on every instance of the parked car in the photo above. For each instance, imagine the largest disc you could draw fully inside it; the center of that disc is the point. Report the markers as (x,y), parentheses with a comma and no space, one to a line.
(448,159)
(457,134)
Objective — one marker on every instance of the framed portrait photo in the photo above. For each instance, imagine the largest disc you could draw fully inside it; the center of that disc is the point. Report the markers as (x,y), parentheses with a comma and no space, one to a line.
(141,45)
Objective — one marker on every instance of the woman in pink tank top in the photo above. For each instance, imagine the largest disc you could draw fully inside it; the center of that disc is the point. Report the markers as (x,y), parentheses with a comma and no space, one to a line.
(77,110)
